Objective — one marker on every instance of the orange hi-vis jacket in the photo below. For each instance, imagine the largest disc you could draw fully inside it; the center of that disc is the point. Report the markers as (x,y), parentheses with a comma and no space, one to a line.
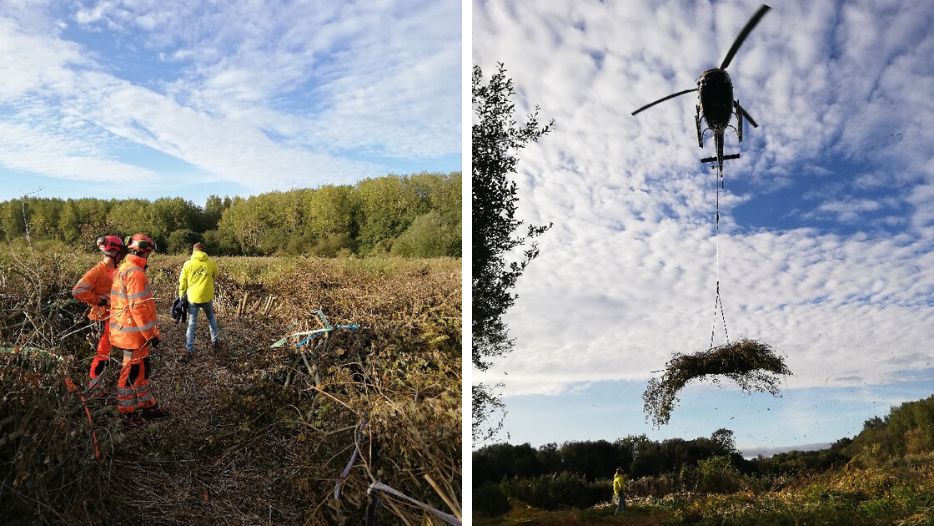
(132,308)
(94,285)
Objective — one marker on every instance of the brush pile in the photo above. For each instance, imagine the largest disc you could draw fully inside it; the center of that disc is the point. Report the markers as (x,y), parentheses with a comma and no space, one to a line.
(47,455)
(753,365)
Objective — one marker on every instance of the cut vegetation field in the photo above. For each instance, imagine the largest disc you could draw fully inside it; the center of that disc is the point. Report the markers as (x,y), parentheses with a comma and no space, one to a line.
(257,435)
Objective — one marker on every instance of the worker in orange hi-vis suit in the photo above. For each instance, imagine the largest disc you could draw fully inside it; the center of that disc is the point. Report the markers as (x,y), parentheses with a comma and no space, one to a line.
(94,289)
(134,329)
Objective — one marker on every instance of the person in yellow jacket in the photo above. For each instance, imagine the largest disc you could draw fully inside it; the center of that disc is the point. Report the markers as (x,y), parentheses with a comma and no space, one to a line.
(134,329)
(196,282)
(619,484)
(93,289)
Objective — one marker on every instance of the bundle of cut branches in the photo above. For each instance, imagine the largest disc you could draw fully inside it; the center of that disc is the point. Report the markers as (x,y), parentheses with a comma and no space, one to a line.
(753,365)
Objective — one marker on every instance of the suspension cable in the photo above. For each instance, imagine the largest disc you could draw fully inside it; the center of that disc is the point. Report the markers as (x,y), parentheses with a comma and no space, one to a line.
(718,301)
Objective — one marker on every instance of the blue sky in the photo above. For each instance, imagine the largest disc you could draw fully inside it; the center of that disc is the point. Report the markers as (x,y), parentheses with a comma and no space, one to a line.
(120,98)
(827,224)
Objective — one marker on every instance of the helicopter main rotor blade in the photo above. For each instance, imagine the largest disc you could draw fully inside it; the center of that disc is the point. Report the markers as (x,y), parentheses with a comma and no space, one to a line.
(663,99)
(748,116)
(743,34)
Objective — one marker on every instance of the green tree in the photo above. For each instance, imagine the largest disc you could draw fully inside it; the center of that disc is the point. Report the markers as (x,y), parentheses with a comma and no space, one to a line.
(594,460)
(723,437)
(44,217)
(331,219)
(69,222)
(167,215)
(244,221)
(430,235)
(387,207)
(131,216)
(213,210)
(717,474)
(221,243)
(496,141)
(14,225)
(325,222)
(330,210)
(181,240)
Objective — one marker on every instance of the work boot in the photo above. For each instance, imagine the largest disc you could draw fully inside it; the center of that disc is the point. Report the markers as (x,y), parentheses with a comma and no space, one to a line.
(187,357)
(155,412)
(217,345)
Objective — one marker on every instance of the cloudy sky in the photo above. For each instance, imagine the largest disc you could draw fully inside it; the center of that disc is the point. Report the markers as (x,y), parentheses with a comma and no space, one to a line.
(827,219)
(147,98)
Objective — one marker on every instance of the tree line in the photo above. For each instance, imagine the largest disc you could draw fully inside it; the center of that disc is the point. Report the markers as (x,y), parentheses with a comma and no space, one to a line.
(415,215)
(597,459)
(907,430)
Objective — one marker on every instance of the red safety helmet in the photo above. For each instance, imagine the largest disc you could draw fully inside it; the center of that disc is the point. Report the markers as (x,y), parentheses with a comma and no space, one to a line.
(111,245)
(140,244)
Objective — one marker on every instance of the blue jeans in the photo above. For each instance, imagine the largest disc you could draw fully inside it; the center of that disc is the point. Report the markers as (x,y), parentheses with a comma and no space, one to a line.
(193,319)
(621,503)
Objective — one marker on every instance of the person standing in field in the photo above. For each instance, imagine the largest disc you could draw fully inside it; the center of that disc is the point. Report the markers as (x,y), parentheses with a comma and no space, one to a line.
(134,329)
(93,289)
(196,283)
(619,484)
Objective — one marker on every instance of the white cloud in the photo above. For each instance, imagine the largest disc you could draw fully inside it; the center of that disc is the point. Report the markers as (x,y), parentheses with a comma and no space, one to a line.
(57,154)
(382,76)
(241,154)
(268,98)
(626,277)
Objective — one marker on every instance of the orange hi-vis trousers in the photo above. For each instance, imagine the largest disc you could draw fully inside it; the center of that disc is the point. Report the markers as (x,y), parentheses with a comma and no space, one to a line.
(133,386)
(96,388)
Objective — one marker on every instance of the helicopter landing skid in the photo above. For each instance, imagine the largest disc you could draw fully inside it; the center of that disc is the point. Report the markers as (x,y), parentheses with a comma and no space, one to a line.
(714,159)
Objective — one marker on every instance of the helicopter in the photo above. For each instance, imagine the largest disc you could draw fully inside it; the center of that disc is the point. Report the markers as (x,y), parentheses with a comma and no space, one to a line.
(715,103)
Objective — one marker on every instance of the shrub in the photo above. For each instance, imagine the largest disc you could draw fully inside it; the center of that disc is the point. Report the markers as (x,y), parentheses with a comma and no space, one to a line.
(221,243)
(489,500)
(718,475)
(429,235)
(180,241)
(332,245)
(563,490)
(657,486)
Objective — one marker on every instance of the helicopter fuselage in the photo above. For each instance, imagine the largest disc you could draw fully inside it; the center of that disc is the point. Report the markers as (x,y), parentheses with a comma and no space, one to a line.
(715,98)
(715,103)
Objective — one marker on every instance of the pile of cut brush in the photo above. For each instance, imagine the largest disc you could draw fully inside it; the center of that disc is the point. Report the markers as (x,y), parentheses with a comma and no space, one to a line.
(46,442)
(753,365)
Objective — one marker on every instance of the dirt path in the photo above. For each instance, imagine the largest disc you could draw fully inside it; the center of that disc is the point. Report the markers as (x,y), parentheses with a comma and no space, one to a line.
(213,458)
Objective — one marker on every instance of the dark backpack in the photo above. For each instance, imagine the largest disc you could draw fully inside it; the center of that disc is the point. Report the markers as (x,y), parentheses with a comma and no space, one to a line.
(180,309)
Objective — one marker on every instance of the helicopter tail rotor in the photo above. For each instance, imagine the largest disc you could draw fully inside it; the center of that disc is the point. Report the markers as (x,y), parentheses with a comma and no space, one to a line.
(743,34)
(663,99)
